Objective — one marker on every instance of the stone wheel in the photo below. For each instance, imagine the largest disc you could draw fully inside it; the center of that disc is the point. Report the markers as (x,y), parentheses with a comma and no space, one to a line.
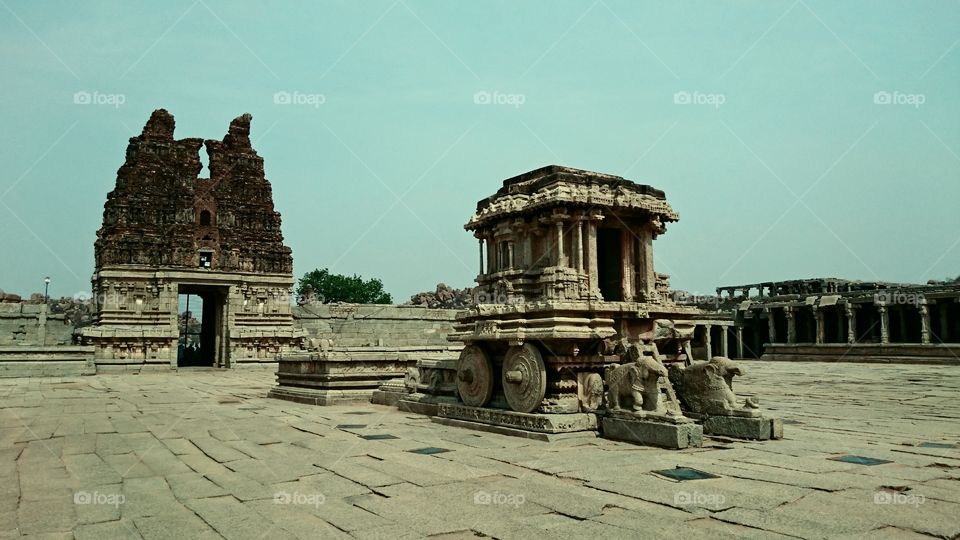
(592,392)
(524,378)
(474,376)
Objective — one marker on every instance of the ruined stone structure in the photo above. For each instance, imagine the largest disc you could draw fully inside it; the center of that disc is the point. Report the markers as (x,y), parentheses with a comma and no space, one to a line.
(833,319)
(569,304)
(166,232)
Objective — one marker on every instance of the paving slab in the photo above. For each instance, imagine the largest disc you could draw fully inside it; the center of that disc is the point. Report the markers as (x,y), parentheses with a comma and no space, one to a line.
(207,455)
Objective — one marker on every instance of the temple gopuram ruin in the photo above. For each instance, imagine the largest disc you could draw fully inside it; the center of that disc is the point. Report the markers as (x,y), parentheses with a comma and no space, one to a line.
(172,242)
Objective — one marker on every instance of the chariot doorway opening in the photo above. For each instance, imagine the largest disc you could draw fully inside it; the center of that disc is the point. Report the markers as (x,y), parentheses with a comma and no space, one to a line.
(200,321)
(610,264)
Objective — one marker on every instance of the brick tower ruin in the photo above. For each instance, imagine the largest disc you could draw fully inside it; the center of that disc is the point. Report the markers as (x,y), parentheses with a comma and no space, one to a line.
(168,234)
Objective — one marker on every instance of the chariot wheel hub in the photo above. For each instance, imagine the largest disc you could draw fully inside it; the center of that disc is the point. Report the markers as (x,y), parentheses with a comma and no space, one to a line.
(474,376)
(524,378)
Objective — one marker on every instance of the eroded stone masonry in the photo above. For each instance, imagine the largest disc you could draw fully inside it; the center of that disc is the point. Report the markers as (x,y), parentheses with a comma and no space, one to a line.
(168,233)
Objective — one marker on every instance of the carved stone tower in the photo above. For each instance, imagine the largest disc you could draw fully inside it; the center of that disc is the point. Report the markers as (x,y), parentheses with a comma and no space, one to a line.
(168,235)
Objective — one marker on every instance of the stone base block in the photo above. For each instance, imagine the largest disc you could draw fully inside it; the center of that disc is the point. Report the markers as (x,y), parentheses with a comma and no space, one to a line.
(738,427)
(539,423)
(319,397)
(423,403)
(387,397)
(666,435)
(514,432)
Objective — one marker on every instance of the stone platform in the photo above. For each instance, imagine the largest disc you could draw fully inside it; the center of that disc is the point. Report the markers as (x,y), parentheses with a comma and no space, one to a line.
(873,353)
(652,432)
(345,374)
(759,428)
(539,423)
(204,454)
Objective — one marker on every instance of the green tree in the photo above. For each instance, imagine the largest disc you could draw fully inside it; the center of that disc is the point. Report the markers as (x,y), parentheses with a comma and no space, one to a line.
(327,287)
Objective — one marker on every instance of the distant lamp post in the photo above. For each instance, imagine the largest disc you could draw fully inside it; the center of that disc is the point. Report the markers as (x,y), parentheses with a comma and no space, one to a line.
(46,289)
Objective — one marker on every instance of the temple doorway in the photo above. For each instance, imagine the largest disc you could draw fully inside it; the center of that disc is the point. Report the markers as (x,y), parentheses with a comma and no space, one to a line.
(610,264)
(201,326)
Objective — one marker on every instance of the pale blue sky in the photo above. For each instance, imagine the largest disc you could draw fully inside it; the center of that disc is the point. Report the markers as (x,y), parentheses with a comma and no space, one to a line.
(878,184)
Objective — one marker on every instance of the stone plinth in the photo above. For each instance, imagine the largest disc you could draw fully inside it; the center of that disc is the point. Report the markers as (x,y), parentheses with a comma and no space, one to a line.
(683,434)
(347,374)
(54,361)
(389,393)
(757,428)
(885,353)
(539,423)
(335,376)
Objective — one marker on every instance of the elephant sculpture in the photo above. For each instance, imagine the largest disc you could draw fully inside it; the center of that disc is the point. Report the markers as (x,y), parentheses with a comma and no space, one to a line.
(634,385)
(706,388)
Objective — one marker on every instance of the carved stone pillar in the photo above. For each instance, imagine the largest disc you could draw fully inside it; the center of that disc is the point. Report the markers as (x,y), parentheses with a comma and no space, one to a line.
(708,340)
(481,256)
(851,311)
(561,256)
(771,325)
(818,316)
(884,323)
(724,341)
(644,258)
(924,323)
(528,248)
(578,244)
(592,263)
(627,272)
(510,262)
(791,324)
(491,254)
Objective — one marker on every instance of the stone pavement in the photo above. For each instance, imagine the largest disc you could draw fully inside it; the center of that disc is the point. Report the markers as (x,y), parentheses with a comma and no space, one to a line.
(203,454)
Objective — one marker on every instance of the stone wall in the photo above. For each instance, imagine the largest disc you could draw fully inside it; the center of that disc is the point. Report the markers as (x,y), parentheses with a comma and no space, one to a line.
(35,342)
(352,325)
(32,325)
